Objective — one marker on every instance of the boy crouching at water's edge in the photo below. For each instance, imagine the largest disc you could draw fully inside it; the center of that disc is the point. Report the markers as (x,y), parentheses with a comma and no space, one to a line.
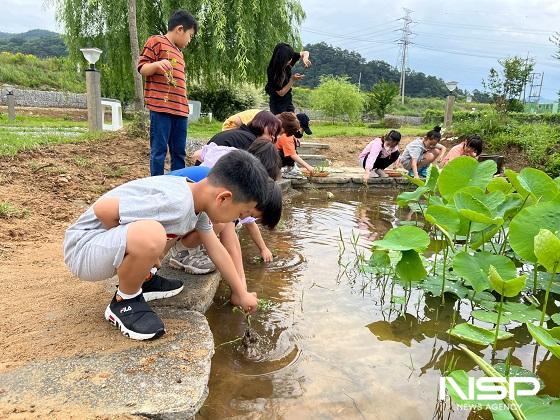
(129,229)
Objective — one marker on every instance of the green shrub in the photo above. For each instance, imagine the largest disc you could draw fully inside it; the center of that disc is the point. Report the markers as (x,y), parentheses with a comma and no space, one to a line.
(337,98)
(226,100)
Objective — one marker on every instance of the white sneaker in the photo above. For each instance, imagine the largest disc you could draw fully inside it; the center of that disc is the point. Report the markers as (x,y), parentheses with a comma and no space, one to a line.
(193,260)
(373,174)
(381,173)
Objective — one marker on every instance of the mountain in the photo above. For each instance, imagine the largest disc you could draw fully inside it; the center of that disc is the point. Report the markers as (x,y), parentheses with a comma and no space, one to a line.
(38,42)
(329,60)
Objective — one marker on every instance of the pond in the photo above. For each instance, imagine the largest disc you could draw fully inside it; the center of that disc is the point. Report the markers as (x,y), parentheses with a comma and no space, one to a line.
(332,344)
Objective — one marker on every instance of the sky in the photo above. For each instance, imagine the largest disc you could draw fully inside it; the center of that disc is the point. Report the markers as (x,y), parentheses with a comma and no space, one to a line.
(457,41)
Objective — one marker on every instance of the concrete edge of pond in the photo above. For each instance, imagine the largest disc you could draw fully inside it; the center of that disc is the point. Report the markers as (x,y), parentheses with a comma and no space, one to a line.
(167,378)
(350,181)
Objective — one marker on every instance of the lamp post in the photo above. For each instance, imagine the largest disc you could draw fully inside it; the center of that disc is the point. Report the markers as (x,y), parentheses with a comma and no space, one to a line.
(451,86)
(93,86)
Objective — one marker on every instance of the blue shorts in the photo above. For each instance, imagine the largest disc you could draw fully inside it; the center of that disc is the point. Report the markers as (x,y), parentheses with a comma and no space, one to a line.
(194,173)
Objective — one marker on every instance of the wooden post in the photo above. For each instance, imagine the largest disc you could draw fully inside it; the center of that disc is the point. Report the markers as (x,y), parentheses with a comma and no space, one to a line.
(93,85)
(11,106)
(449,111)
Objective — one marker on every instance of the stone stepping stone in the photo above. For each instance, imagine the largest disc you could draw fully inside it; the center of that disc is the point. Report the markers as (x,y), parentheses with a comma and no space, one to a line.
(165,378)
(312,148)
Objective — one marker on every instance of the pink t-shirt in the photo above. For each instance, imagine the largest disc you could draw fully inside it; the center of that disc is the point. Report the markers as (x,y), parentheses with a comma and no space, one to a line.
(375,149)
(454,152)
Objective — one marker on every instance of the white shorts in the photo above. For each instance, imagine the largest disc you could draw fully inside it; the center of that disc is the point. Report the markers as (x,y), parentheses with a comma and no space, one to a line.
(97,253)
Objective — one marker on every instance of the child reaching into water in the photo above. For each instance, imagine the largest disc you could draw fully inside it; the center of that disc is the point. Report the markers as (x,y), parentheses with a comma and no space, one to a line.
(471,146)
(379,154)
(421,152)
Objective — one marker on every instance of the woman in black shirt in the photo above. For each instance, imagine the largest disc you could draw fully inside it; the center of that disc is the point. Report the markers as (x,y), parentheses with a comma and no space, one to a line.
(280,78)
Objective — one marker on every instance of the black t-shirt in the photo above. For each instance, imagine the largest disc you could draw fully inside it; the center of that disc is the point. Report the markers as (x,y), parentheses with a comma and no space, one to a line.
(279,103)
(240,138)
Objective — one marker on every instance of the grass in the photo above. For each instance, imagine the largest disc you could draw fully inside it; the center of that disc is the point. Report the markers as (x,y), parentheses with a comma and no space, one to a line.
(11,143)
(8,210)
(28,71)
(27,121)
(325,130)
(203,129)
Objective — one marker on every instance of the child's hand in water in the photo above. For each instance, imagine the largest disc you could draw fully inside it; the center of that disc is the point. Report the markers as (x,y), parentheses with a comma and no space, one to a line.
(248,301)
(266,255)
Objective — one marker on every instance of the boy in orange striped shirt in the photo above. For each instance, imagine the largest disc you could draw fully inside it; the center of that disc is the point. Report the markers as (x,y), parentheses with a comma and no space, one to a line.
(165,93)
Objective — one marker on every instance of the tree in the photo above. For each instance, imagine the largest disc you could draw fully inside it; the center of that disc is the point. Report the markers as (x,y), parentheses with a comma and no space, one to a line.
(381,97)
(506,88)
(134,55)
(338,98)
(234,42)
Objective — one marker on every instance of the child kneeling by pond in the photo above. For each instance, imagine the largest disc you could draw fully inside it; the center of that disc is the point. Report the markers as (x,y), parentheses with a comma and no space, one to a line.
(471,146)
(130,228)
(379,154)
(422,152)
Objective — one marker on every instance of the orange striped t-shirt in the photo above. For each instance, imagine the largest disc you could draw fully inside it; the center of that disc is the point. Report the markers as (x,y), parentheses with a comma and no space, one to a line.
(163,93)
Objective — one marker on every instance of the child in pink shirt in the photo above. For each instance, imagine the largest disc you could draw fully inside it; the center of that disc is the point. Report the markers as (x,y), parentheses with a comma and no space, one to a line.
(379,154)
(471,146)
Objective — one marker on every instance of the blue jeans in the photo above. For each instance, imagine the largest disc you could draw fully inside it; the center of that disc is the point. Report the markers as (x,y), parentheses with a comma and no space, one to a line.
(194,173)
(167,130)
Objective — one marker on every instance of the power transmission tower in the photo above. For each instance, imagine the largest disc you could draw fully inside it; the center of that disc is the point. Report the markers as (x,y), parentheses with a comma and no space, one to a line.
(404,42)
(536,82)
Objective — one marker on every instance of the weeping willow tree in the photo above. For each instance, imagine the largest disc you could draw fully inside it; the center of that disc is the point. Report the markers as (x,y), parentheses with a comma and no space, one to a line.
(234,42)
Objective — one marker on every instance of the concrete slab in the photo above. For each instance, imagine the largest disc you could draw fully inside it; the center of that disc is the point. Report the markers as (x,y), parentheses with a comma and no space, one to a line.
(314,160)
(166,378)
(198,293)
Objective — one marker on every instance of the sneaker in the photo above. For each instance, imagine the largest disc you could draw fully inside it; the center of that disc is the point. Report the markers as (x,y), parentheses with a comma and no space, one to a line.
(193,261)
(294,173)
(160,288)
(374,174)
(381,173)
(134,318)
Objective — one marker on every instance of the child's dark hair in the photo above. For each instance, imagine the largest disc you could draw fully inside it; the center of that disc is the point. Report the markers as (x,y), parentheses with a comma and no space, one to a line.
(393,135)
(290,123)
(265,120)
(271,208)
(268,155)
(182,18)
(282,54)
(434,133)
(243,174)
(474,142)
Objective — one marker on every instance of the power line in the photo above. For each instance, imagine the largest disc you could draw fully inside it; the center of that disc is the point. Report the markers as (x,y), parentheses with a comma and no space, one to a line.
(316,32)
(485,28)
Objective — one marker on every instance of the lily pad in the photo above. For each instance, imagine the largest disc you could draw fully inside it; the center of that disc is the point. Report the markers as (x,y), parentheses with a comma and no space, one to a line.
(379,259)
(490,317)
(556,318)
(411,196)
(474,268)
(410,268)
(499,184)
(431,179)
(484,236)
(404,238)
(514,180)
(538,183)
(518,372)
(463,172)
(508,288)
(477,335)
(433,286)
(473,209)
(510,206)
(446,217)
(547,250)
(526,225)
(521,313)
(545,338)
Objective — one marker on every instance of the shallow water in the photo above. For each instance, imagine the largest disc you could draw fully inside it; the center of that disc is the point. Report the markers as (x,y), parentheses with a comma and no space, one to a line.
(332,345)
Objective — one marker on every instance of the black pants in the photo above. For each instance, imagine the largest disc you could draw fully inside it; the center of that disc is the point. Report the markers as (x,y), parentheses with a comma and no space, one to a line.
(382,162)
(277,108)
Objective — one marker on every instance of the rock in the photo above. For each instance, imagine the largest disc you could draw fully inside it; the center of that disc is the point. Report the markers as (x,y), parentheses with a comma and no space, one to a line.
(139,380)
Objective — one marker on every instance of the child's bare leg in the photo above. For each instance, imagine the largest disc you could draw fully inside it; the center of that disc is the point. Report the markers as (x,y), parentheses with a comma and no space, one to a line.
(428,158)
(192,239)
(145,241)
(230,241)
